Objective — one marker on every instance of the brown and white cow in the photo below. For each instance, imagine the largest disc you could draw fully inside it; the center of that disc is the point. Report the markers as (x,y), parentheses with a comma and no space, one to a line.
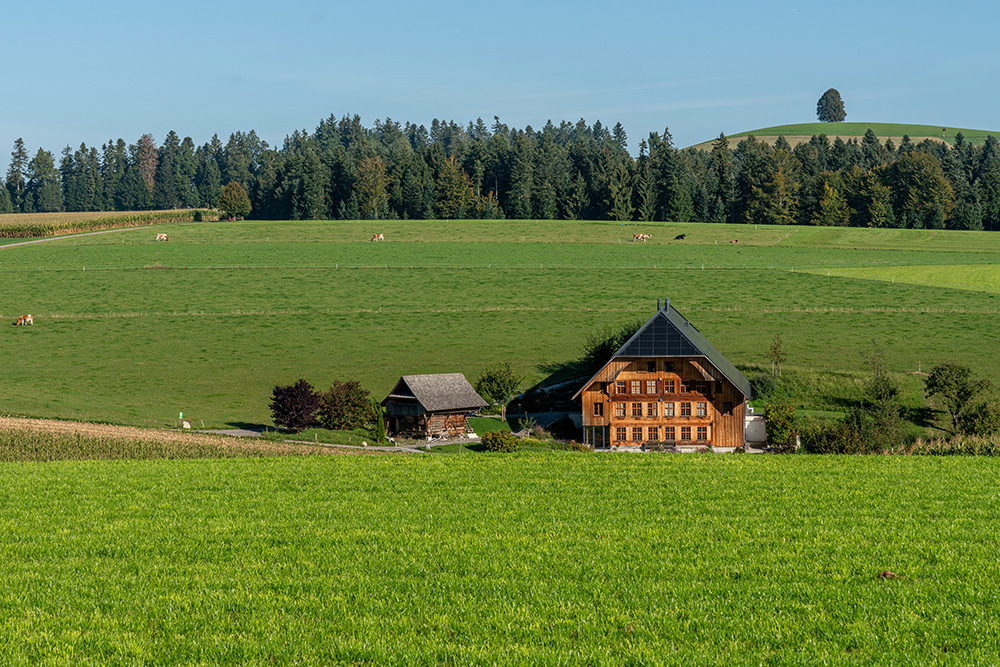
(735,241)
(641,237)
(378,237)
(162,237)
(24,320)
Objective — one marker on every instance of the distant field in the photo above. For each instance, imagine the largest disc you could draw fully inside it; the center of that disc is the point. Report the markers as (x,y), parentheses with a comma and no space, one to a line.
(132,331)
(979,278)
(501,560)
(801,132)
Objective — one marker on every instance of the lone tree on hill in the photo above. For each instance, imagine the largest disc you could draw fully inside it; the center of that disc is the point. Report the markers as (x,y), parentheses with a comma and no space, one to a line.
(234,204)
(830,108)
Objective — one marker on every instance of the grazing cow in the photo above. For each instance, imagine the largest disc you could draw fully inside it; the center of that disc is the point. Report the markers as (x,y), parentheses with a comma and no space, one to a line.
(24,320)
(680,237)
(162,237)
(378,237)
(641,237)
(735,241)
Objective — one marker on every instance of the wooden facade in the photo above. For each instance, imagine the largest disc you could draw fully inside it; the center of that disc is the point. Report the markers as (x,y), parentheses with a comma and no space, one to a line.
(431,406)
(665,387)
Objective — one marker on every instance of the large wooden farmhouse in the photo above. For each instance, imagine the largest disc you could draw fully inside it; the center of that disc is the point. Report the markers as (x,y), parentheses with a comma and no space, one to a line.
(666,384)
(431,405)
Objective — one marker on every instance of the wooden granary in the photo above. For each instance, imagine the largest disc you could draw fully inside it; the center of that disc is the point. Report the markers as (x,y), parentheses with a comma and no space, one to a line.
(431,406)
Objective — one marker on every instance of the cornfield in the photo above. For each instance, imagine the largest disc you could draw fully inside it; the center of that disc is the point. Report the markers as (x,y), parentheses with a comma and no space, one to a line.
(48,440)
(38,225)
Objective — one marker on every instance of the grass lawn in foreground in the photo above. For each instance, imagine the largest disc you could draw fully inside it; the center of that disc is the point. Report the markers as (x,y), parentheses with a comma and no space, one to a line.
(524,559)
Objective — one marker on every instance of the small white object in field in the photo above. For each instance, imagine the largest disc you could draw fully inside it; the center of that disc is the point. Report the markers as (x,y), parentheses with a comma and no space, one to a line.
(185,424)
(364,443)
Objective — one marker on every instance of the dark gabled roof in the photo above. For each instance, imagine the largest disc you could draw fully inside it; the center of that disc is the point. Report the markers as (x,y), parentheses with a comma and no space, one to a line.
(669,334)
(442,391)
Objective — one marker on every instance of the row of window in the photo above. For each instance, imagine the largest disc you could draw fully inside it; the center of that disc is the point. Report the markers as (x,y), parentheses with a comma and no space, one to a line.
(653,409)
(668,386)
(653,433)
(668,366)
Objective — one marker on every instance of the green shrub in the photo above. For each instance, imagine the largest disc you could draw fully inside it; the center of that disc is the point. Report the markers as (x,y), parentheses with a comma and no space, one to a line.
(501,441)
(763,385)
(856,434)
(345,405)
(781,429)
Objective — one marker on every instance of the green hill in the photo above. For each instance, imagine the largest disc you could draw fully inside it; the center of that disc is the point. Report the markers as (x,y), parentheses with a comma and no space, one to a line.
(801,132)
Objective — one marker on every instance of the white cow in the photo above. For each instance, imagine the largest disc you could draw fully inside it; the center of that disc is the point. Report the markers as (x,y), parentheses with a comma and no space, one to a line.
(24,320)
(641,237)
(162,237)
(378,237)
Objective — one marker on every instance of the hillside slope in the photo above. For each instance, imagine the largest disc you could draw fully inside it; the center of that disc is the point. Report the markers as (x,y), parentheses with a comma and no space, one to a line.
(801,132)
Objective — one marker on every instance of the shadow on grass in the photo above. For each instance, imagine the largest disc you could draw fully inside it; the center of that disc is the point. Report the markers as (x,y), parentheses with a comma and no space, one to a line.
(555,391)
(924,417)
(457,447)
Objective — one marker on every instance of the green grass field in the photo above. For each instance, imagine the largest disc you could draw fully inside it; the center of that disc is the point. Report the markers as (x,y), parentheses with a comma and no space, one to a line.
(501,560)
(798,132)
(978,277)
(132,331)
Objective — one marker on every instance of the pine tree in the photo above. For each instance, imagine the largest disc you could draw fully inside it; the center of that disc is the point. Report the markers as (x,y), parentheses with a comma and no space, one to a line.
(43,183)
(620,192)
(723,193)
(452,192)
(145,158)
(166,192)
(17,174)
(370,187)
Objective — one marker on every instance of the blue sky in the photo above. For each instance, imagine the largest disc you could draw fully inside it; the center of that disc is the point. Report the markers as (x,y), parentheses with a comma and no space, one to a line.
(89,72)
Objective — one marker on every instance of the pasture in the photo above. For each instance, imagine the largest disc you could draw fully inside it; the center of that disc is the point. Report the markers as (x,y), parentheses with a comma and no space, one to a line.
(501,560)
(132,331)
(801,132)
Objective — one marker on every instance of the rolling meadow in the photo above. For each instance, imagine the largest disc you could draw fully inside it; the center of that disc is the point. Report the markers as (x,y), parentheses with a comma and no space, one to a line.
(131,331)
(116,552)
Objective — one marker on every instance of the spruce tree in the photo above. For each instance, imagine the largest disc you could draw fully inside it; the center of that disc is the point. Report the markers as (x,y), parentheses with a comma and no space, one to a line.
(5,204)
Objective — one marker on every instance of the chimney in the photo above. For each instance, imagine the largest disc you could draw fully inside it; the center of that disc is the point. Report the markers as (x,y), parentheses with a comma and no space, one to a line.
(658,305)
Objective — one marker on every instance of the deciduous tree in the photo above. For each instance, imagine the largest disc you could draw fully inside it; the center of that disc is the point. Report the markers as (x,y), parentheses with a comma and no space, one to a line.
(956,387)
(830,107)
(294,406)
(345,405)
(498,383)
(234,202)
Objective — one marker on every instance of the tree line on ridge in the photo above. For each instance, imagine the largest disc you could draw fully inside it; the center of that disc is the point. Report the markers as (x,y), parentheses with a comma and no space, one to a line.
(344,170)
